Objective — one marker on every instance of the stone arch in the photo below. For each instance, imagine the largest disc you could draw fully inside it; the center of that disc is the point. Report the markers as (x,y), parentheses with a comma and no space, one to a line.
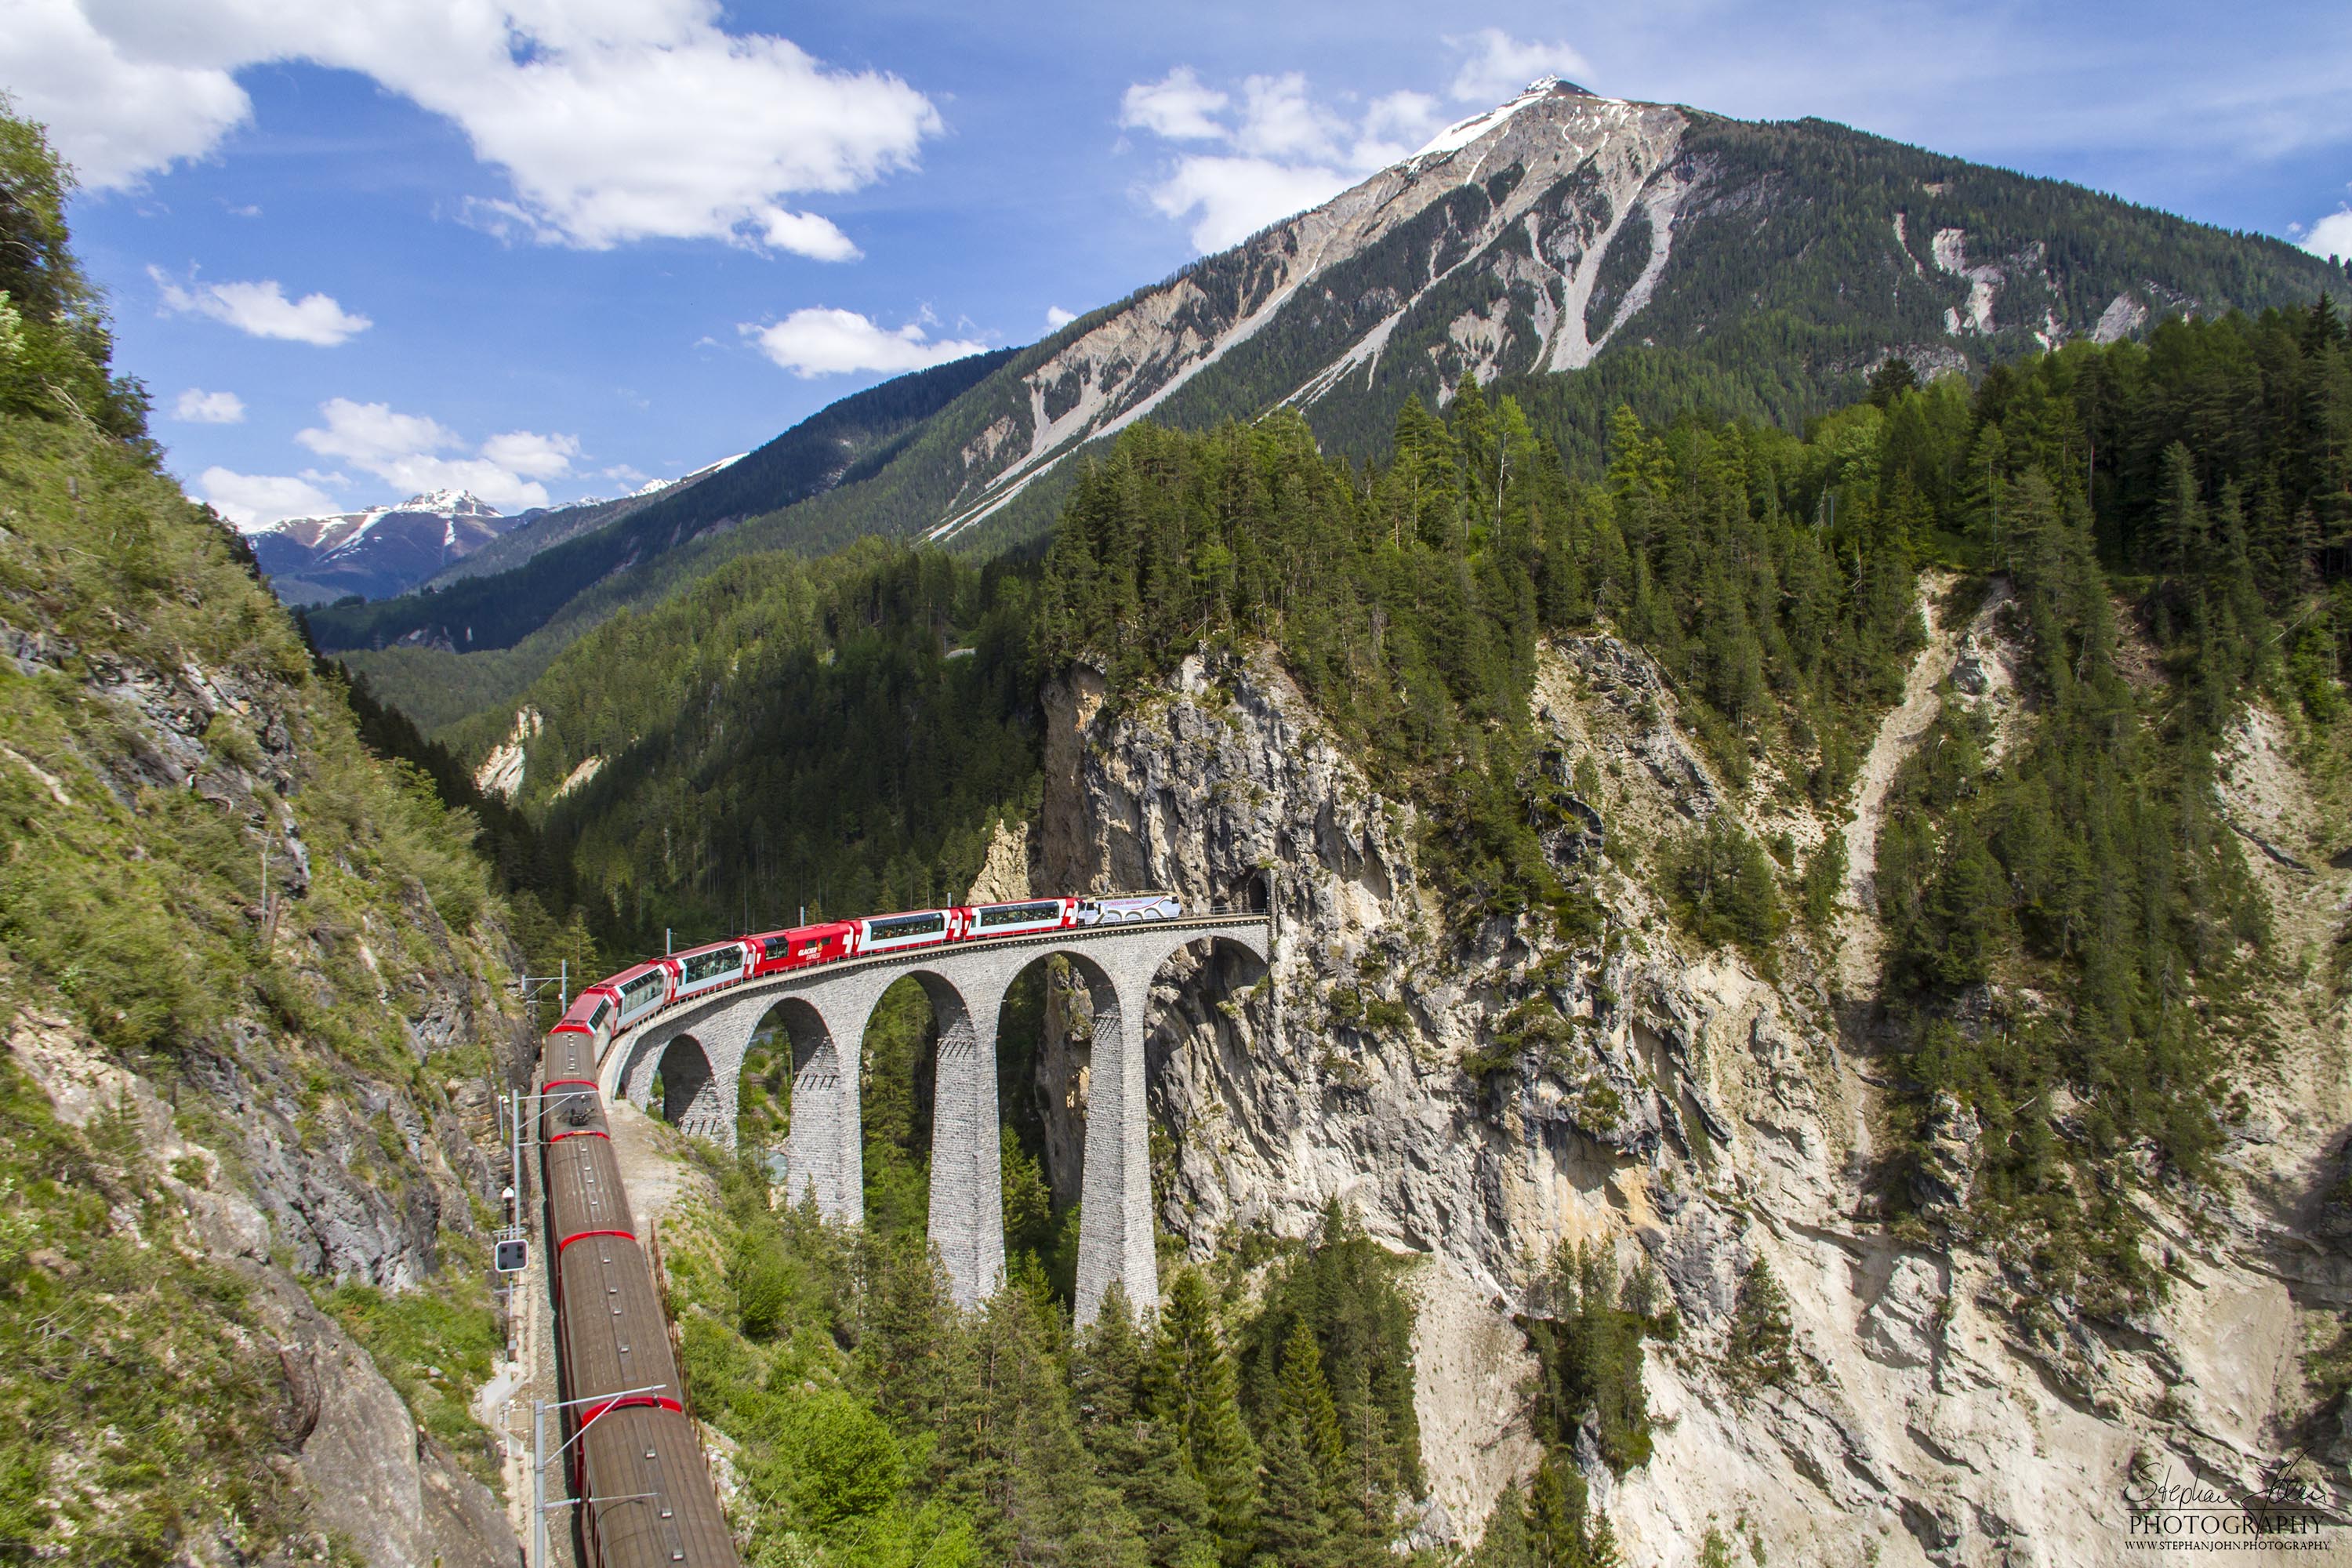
(1224,948)
(1115,1224)
(1115,1235)
(692,1097)
(966,1210)
(781,1043)
(634,1080)
(1077,991)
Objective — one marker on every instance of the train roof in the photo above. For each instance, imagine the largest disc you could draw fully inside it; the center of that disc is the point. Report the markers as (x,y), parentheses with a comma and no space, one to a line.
(814,928)
(705,947)
(582,1005)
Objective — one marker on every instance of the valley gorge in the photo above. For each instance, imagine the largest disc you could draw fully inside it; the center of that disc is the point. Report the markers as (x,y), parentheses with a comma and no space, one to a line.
(1777,707)
(1693,1112)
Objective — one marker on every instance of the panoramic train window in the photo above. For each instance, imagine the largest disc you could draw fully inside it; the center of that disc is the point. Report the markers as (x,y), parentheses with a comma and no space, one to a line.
(636,990)
(596,1019)
(703,965)
(1019,914)
(907,925)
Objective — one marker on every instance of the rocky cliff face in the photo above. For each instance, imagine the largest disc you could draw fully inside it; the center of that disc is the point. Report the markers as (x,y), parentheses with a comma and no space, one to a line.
(1673,1103)
(254,1001)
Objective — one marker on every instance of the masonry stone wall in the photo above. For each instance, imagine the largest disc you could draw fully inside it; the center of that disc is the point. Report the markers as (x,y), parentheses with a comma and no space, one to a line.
(826,1012)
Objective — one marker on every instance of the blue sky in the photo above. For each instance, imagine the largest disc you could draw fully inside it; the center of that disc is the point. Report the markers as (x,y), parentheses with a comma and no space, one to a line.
(548,248)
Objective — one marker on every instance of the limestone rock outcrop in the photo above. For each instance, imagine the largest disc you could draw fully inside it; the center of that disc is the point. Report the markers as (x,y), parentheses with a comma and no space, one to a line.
(1676,1104)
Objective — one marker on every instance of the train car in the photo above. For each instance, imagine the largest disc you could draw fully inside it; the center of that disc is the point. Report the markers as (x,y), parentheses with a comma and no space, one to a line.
(1129,907)
(645,1491)
(658,1506)
(914,927)
(776,951)
(591,1014)
(709,968)
(640,991)
(985,920)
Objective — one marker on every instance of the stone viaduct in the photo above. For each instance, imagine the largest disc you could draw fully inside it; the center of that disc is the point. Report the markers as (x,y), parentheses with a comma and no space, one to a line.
(699,1047)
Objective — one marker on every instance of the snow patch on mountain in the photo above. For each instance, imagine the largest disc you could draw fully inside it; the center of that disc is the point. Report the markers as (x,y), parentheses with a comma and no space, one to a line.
(1462,132)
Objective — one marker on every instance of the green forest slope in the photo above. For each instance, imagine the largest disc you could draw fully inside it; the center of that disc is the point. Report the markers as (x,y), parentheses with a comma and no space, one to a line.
(2193,495)
(1806,252)
(254,966)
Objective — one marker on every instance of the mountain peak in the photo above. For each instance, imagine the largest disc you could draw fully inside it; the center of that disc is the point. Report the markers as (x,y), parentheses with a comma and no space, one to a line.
(445,503)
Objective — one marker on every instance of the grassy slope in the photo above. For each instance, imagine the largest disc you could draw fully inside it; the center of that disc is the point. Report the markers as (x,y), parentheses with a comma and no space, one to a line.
(143,1409)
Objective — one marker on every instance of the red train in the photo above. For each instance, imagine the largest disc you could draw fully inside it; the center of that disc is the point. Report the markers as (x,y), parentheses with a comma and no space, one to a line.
(636,1465)
(628,998)
(634,1460)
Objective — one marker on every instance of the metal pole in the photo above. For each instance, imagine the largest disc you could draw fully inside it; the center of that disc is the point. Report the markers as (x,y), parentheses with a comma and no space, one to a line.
(537,1485)
(563,983)
(515,1095)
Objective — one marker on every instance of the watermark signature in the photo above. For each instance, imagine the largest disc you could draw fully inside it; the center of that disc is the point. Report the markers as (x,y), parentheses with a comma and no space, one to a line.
(2167,1508)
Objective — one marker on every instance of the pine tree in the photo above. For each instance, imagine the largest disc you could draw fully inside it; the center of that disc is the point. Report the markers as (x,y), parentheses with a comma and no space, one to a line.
(1561,1529)
(1009,1451)
(905,1323)
(1305,1401)
(1985,491)
(1506,1543)
(1293,1530)
(1135,1452)
(1106,1365)
(1189,1387)
(1763,1346)
(2181,518)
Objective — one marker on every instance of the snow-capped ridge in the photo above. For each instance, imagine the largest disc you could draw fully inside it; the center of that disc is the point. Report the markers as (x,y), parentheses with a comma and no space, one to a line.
(445,503)
(1462,132)
(656,487)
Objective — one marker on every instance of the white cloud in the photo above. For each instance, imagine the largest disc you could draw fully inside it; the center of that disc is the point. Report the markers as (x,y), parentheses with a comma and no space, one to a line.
(261,309)
(1499,65)
(1058,318)
(807,233)
(116,112)
(820,341)
(371,434)
(1279,121)
(613,122)
(1229,199)
(412,453)
(1284,150)
(500,486)
(534,455)
(2331,235)
(197,407)
(1177,107)
(253,501)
